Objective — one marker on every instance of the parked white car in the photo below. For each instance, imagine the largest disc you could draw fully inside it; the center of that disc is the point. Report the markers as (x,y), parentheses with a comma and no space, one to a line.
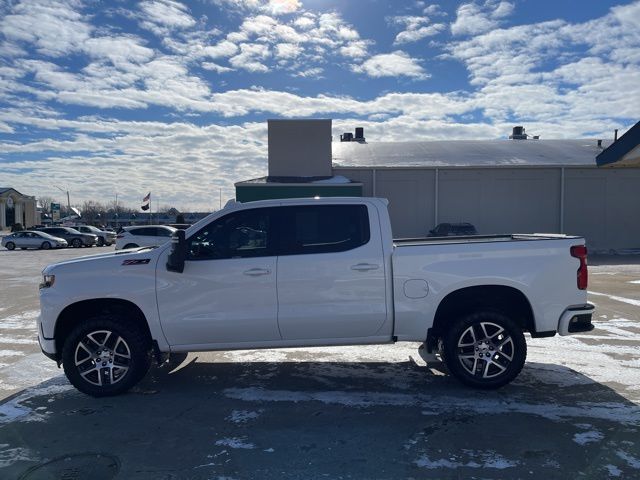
(32,239)
(143,236)
(312,272)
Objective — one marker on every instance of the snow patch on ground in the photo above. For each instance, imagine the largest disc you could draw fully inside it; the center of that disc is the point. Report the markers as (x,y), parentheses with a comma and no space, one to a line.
(489,459)
(32,369)
(16,409)
(597,363)
(242,416)
(637,282)
(617,412)
(613,471)
(588,437)
(632,461)
(18,340)
(235,442)
(11,353)
(9,456)
(630,301)
(24,321)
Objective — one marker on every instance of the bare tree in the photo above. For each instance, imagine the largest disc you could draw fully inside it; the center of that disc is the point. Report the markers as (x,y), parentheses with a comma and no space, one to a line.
(45,202)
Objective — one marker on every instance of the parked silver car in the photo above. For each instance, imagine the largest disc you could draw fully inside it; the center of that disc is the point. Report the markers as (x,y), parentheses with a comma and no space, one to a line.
(32,239)
(104,237)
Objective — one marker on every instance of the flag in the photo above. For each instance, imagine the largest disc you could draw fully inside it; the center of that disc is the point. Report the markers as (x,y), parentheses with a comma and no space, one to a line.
(146,201)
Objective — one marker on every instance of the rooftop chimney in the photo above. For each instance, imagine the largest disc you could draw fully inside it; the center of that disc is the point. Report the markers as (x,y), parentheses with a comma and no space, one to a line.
(615,135)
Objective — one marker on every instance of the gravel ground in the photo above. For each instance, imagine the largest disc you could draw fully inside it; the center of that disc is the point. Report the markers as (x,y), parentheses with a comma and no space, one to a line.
(349,412)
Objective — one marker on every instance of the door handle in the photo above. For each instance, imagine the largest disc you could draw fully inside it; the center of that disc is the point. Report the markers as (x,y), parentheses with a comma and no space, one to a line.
(256,272)
(363,267)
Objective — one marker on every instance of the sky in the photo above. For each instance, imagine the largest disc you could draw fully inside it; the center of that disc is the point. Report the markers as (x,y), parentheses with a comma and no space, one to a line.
(119,97)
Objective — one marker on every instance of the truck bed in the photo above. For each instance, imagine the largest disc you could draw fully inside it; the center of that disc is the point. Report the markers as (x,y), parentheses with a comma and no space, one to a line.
(515,237)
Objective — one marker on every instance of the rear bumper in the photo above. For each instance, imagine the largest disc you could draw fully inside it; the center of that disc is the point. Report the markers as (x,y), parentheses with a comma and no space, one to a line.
(576,319)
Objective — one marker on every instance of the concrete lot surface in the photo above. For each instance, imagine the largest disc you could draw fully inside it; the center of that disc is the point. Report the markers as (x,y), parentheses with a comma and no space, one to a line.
(353,412)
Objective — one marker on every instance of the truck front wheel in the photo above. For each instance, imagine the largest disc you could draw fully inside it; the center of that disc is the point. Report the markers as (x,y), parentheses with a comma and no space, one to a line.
(485,349)
(104,356)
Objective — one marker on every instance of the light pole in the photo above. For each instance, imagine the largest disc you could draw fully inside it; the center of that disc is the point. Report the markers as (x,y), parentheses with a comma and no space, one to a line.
(68,200)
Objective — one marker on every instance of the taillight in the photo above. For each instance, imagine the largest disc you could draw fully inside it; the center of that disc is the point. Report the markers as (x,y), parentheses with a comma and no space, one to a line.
(580,252)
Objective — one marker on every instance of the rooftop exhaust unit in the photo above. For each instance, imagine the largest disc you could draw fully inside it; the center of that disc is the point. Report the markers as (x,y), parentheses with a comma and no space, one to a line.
(518,133)
(349,137)
(346,137)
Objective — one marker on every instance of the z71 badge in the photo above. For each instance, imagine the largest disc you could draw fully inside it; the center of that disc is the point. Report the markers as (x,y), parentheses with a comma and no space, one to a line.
(139,261)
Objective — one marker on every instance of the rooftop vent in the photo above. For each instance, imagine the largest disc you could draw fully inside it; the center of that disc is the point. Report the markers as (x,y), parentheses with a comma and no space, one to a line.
(349,137)
(346,137)
(518,133)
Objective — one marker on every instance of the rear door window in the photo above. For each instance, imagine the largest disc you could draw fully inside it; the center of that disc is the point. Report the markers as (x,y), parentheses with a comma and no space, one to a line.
(309,229)
(144,232)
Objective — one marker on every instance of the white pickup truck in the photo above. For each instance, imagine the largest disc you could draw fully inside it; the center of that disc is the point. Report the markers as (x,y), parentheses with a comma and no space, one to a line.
(311,272)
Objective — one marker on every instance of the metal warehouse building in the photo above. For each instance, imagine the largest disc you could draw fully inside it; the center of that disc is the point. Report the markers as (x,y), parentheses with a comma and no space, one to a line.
(501,186)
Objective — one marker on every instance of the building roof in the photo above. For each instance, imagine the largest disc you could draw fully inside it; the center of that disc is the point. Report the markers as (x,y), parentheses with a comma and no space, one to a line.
(335,180)
(6,189)
(620,152)
(467,153)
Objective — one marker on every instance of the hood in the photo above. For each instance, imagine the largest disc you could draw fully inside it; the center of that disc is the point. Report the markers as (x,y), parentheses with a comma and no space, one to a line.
(106,260)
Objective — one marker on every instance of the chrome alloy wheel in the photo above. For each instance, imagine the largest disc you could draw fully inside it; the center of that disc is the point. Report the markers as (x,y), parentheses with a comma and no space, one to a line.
(102,358)
(485,350)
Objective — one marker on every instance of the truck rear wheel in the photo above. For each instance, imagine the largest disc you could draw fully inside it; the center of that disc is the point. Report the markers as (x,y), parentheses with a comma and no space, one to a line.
(485,349)
(104,356)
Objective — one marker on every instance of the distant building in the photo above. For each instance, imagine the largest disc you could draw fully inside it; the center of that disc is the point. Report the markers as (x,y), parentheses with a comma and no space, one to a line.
(17,208)
(523,184)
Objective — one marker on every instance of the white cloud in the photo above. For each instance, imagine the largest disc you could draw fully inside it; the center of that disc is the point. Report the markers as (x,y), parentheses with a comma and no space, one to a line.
(250,57)
(434,10)
(416,28)
(304,42)
(310,73)
(214,67)
(531,71)
(162,16)
(288,50)
(55,28)
(395,64)
(223,49)
(475,18)
(272,7)
(355,50)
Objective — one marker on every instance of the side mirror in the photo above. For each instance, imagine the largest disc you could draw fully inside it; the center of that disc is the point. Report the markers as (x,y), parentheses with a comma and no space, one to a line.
(175,262)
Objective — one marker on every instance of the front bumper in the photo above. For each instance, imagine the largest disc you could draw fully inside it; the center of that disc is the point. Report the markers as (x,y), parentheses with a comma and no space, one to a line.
(48,347)
(576,319)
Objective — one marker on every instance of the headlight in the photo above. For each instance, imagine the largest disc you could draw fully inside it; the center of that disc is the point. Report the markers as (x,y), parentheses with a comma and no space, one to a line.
(47,281)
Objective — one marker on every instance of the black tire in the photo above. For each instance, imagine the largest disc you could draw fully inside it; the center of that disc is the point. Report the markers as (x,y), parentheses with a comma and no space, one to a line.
(108,378)
(10,245)
(487,343)
(76,243)
(100,242)
(130,245)
(45,245)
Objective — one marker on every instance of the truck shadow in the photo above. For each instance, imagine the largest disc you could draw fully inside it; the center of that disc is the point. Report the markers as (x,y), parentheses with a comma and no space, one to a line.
(312,419)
